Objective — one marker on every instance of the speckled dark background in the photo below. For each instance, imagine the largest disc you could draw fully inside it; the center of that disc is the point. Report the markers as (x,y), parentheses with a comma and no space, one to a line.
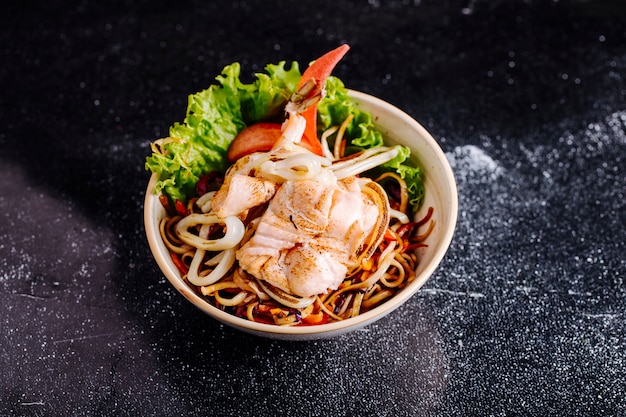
(525,316)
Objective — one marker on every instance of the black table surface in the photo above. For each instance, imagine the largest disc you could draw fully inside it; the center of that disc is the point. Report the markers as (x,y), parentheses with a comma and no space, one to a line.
(526,315)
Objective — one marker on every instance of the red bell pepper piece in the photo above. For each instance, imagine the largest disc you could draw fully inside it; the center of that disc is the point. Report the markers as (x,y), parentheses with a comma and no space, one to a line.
(319,71)
(165,202)
(179,263)
(181,208)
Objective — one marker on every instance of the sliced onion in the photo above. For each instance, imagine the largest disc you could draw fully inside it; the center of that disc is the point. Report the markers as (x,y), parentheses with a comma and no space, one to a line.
(364,161)
(397,280)
(241,278)
(404,192)
(378,195)
(158,146)
(298,166)
(396,214)
(285,298)
(324,139)
(204,202)
(226,262)
(236,300)
(212,289)
(169,237)
(339,137)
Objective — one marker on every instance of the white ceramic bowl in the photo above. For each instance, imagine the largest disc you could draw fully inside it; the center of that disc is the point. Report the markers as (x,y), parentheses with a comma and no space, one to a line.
(441,194)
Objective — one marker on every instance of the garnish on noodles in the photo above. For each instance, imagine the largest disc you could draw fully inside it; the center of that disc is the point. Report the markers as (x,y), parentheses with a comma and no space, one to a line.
(284,205)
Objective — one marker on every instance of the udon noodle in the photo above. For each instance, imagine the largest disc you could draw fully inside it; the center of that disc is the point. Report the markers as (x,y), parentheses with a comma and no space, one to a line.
(203,246)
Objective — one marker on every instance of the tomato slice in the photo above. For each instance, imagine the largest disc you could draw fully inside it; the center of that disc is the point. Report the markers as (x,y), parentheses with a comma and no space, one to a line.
(259,137)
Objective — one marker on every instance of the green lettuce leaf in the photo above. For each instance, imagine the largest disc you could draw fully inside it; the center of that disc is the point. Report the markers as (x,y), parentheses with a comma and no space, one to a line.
(266,98)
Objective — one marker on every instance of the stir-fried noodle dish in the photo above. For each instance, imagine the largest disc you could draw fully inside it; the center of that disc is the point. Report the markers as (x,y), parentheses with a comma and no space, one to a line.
(294,228)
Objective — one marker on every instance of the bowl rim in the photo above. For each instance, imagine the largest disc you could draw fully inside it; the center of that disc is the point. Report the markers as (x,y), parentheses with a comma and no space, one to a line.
(274,331)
